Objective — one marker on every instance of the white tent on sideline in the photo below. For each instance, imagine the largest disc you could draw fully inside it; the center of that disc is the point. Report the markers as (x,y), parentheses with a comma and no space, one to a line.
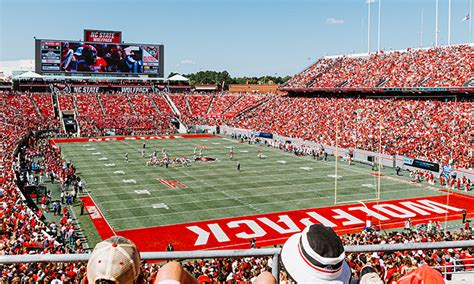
(177,78)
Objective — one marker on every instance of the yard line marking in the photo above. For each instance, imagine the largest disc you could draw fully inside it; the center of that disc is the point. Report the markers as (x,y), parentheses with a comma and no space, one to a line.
(90,149)
(142,191)
(281,162)
(119,172)
(334,176)
(103,159)
(204,140)
(238,206)
(243,151)
(129,181)
(222,191)
(247,182)
(160,206)
(321,192)
(306,168)
(110,165)
(215,143)
(96,153)
(369,185)
(86,145)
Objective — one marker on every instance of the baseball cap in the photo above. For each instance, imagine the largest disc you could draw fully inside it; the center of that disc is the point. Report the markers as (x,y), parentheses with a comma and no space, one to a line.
(316,255)
(116,259)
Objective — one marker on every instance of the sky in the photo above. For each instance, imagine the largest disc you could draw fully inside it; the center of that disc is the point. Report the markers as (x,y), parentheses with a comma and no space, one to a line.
(244,37)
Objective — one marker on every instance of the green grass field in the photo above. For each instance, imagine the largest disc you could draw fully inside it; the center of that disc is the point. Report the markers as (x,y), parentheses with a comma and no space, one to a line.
(280,182)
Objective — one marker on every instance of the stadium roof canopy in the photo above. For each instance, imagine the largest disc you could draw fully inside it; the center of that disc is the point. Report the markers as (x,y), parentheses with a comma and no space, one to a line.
(29,75)
(177,78)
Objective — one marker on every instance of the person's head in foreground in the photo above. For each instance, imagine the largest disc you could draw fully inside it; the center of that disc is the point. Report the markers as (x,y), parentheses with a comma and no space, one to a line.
(368,275)
(174,273)
(115,260)
(422,275)
(316,255)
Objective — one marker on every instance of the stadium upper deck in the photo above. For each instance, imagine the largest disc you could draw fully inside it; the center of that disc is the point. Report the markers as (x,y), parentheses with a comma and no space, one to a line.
(439,67)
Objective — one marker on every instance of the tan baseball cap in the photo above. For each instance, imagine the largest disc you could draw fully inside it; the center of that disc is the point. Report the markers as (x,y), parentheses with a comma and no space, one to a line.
(116,259)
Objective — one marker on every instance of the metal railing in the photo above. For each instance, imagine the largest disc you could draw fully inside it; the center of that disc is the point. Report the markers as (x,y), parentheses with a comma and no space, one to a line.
(274,252)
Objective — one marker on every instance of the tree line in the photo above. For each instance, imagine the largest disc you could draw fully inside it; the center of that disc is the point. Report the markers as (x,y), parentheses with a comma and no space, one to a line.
(215,77)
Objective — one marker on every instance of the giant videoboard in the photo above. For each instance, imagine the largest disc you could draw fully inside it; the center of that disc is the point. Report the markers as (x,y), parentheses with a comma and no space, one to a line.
(61,56)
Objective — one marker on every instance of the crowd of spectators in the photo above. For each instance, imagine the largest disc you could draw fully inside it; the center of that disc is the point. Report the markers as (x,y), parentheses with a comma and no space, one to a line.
(390,266)
(44,103)
(65,103)
(123,115)
(22,230)
(431,130)
(116,105)
(449,66)
(199,104)
(222,102)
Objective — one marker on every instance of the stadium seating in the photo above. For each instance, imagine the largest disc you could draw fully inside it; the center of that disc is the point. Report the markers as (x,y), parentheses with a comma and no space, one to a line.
(199,104)
(161,103)
(434,67)
(65,102)
(180,102)
(431,130)
(222,102)
(22,230)
(116,105)
(143,105)
(44,103)
(87,105)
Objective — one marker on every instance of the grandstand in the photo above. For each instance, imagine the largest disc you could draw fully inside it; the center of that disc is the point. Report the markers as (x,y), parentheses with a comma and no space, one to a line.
(376,146)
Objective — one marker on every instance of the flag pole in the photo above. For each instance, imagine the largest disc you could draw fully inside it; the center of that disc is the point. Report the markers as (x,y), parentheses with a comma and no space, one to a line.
(368,27)
(378,29)
(470,21)
(421,33)
(449,22)
(436,24)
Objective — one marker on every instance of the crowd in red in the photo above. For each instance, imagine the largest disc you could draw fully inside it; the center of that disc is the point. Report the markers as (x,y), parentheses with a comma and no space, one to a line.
(65,103)
(21,229)
(125,115)
(431,130)
(44,103)
(449,66)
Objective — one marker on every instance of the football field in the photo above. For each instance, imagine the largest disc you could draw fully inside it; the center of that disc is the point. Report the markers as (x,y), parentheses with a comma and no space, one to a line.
(131,195)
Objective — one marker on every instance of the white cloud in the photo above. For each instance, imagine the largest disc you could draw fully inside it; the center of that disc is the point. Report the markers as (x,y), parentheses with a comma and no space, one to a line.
(333,21)
(187,62)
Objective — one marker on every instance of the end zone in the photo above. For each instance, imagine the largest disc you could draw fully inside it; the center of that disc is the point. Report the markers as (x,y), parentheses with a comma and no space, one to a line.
(274,228)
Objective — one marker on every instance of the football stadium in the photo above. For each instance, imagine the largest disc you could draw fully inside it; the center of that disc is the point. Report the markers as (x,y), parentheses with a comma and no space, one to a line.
(356,168)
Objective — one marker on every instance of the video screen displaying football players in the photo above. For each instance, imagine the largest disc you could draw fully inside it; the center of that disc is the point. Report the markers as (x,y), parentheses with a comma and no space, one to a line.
(100,57)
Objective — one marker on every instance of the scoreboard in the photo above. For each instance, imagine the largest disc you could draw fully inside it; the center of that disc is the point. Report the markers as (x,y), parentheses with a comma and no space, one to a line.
(50,55)
(63,56)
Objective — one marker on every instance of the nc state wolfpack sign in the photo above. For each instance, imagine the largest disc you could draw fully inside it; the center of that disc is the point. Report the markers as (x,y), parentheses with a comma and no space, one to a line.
(275,228)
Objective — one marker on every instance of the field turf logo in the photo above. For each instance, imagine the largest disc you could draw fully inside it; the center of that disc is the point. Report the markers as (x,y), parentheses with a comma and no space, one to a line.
(173,183)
